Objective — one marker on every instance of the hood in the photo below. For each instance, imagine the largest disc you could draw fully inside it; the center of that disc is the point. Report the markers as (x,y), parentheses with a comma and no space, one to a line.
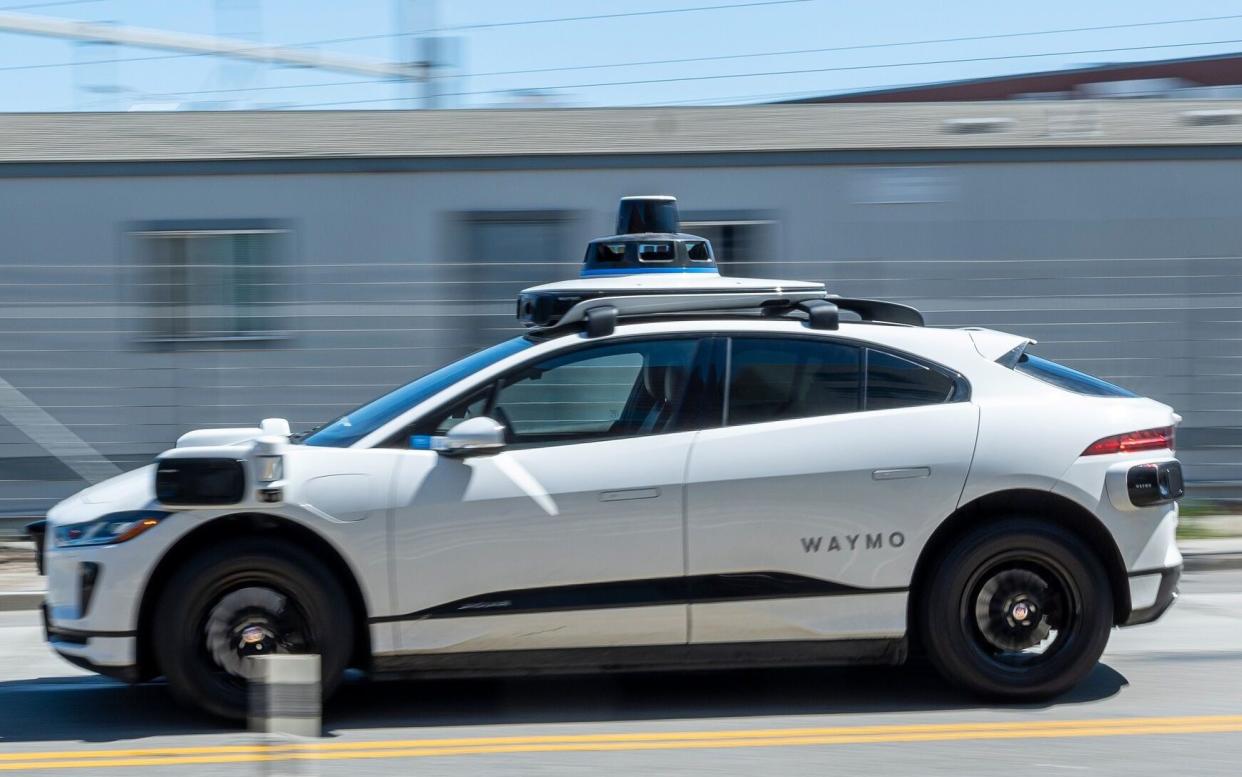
(133,490)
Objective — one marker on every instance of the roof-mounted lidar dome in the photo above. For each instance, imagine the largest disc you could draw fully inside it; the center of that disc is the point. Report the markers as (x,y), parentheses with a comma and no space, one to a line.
(648,241)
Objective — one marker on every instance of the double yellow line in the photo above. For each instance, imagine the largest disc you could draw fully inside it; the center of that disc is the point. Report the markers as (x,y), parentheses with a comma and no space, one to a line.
(649,740)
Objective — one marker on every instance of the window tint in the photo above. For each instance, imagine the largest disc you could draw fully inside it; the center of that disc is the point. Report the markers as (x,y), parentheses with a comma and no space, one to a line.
(440,424)
(356,424)
(1069,379)
(613,390)
(896,382)
(772,379)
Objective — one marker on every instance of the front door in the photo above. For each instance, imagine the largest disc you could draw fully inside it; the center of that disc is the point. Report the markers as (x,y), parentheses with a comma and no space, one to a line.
(807,510)
(571,536)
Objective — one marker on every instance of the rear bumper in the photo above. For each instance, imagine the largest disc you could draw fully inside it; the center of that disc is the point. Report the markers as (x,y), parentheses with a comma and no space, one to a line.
(1149,607)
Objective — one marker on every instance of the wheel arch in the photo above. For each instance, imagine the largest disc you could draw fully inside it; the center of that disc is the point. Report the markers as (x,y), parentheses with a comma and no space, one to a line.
(231,527)
(1041,505)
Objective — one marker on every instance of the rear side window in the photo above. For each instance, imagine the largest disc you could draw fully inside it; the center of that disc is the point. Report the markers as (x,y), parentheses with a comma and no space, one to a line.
(1069,379)
(771,379)
(893,381)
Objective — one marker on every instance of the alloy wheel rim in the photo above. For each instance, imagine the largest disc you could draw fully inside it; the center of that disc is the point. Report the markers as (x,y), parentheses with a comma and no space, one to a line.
(250,621)
(1021,610)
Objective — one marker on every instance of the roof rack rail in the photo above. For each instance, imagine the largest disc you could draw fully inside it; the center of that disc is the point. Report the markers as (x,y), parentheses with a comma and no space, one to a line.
(631,305)
(601,314)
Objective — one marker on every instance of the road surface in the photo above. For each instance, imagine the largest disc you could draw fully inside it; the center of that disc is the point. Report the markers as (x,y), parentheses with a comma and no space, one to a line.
(1166,700)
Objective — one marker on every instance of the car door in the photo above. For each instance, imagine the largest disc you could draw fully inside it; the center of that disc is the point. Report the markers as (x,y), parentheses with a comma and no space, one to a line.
(807,509)
(573,534)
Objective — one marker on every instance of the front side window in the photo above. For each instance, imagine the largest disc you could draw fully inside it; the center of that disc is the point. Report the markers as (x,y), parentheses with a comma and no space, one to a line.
(772,379)
(621,389)
(356,424)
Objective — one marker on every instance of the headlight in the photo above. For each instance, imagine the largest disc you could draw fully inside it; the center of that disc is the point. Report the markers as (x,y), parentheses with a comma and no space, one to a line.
(109,529)
(270,468)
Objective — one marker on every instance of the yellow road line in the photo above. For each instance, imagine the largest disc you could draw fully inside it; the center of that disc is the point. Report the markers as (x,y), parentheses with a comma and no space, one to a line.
(220,754)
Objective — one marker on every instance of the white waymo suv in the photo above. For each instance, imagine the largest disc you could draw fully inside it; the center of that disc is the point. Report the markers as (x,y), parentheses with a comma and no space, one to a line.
(670,469)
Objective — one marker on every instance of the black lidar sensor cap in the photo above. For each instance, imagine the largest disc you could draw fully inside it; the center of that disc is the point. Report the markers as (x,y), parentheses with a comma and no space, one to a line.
(648,215)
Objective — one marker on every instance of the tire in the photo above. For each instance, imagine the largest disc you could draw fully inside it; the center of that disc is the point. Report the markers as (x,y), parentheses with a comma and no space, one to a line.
(966,612)
(278,585)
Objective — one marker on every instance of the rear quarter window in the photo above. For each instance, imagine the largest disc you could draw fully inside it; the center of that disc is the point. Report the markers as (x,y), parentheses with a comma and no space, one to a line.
(1067,378)
(893,381)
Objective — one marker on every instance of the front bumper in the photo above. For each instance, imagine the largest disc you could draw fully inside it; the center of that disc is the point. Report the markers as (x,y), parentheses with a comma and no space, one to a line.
(1152,594)
(111,654)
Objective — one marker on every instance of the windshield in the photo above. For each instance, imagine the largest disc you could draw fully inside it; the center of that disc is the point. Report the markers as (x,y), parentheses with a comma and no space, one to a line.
(356,424)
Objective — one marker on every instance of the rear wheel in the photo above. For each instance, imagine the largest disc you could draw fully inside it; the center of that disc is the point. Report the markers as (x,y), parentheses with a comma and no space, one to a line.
(250,597)
(1017,610)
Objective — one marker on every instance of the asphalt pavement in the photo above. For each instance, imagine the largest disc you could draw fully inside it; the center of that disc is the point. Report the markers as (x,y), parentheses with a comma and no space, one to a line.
(1167,699)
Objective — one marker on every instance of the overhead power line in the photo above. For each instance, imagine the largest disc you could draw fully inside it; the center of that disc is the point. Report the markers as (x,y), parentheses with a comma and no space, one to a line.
(636,63)
(861,47)
(28,6)
(800,71)
(382,36)
(725,57)
(620,15)
(56,27)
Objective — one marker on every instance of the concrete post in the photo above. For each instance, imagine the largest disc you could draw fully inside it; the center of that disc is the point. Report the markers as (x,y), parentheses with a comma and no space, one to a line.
(285,697)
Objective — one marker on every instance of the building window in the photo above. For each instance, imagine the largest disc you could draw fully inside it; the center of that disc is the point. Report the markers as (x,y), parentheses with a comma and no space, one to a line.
(211,283)
(503,252)
(739,240)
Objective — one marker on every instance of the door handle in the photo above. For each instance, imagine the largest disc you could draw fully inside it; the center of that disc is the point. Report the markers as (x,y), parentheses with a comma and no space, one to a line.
(901,473)
(628,493)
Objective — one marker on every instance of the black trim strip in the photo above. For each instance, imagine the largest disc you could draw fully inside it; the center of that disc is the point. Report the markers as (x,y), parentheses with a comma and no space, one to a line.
(1154,571)
(650,592)
(645,658)
(74,635)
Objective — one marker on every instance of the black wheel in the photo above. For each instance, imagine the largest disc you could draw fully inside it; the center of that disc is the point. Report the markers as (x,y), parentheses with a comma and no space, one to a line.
(250,597)
(1018,610)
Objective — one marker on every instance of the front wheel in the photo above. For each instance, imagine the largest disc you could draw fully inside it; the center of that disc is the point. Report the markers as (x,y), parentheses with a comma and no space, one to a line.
(1018,610)
(244,598)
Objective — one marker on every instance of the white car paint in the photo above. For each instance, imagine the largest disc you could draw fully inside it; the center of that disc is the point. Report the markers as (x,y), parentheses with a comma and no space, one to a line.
(418,530)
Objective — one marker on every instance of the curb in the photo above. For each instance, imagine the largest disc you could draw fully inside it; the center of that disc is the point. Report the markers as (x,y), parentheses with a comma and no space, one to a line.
(1211,562)
(21,600)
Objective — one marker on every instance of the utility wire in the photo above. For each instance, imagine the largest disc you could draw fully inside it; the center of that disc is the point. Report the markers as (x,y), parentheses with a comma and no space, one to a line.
(717,58)
(384,36)
(614,15)
(45,5)
(861,47)
(842,68)
(726,57)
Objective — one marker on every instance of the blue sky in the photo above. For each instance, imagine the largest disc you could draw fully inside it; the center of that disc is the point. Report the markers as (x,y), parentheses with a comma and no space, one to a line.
(34,75)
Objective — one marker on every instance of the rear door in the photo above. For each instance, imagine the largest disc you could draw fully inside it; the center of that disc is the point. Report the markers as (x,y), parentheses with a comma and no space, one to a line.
(807,509)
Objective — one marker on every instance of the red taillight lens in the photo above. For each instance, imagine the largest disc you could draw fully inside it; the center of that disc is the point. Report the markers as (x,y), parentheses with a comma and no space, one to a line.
(1142,440)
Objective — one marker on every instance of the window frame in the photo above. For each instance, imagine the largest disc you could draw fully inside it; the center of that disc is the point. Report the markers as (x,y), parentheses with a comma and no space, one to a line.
(961,386)
(703,362)
(134,237)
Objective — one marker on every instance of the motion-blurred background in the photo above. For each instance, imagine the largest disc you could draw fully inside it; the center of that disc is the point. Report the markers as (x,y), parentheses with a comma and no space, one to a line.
(215,211)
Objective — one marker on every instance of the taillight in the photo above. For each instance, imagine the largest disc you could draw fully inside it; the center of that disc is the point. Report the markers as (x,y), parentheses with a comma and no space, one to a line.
(1142,440)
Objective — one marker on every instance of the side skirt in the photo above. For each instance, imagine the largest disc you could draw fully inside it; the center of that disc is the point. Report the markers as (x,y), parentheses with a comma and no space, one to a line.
(647,658)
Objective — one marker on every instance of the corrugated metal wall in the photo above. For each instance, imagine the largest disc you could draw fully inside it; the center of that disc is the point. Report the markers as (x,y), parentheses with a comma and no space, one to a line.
(1129,270)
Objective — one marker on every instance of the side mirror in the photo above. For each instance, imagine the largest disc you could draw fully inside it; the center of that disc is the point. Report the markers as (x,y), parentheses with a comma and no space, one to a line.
(476,435)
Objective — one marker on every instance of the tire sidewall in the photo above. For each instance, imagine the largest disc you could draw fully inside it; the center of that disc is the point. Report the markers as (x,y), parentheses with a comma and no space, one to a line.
(198,585)
(946,633)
